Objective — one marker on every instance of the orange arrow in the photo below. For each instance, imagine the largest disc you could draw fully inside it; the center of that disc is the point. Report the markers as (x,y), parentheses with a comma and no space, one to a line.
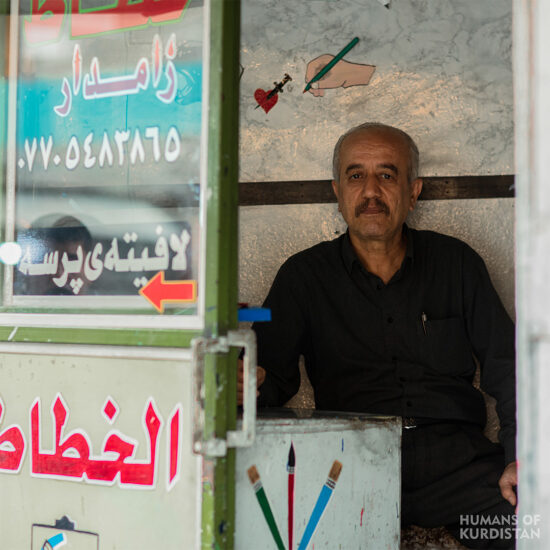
(157,291)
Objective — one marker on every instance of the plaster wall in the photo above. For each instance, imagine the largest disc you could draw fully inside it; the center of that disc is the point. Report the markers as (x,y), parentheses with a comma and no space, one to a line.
(443,74)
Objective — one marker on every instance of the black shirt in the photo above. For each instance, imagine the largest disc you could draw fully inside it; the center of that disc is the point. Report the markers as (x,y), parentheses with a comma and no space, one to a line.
(405,348)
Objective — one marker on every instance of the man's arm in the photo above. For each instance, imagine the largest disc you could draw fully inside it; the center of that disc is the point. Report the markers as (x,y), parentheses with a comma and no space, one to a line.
(492,335)
(281,340)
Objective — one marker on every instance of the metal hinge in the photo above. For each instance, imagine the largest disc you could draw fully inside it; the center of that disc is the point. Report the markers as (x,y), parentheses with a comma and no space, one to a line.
(213,446)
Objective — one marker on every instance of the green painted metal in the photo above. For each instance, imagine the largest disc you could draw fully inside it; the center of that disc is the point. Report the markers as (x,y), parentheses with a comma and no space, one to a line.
(218,508)
(166,338)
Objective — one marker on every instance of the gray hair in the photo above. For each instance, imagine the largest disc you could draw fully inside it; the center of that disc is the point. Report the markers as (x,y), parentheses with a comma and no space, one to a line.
(413,149)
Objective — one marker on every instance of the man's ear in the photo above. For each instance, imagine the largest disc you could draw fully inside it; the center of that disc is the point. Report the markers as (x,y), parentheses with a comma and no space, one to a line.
(335,189)
(416,188)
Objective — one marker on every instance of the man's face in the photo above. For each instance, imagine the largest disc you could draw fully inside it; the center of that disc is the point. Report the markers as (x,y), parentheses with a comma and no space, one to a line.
(373,193)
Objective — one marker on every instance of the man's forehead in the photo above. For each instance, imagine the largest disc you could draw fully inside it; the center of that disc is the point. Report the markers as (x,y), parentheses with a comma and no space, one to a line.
(376,137)
(386,147)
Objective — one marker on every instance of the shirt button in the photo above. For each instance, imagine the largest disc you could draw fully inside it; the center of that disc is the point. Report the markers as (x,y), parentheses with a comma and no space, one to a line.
(390,319)
(402,379)
(409,404)
(378,287)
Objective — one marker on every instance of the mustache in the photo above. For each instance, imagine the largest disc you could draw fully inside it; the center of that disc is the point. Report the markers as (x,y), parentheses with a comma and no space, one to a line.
(360,208)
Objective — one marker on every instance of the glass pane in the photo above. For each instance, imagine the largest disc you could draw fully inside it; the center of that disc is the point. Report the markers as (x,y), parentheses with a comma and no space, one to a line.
(105,183)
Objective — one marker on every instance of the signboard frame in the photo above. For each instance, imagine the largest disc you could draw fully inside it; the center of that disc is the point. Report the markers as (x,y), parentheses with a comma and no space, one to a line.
(80,312)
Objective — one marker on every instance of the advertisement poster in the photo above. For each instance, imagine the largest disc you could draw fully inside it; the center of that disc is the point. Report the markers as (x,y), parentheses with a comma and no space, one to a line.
(97,457)
(106,121)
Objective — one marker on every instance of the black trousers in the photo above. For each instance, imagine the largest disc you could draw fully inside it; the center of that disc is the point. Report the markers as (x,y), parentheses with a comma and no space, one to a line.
(450,476)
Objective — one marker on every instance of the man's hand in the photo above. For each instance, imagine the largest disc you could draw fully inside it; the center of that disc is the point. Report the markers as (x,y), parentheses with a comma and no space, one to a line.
(260,377)
(508,480)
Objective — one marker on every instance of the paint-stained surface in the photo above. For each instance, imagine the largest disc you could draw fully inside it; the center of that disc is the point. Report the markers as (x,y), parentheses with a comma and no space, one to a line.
(361,505)
(443,73)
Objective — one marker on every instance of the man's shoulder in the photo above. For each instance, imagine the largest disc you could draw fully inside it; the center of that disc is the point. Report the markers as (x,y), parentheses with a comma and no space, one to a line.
(445,248)
(318,257)
(439,241)
(325,251)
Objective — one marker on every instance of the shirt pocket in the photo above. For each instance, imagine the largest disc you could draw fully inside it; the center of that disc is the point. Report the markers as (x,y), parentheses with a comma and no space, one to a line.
(449,347)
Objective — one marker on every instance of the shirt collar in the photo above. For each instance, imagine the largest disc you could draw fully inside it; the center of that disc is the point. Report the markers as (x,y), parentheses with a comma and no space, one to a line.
(350,257)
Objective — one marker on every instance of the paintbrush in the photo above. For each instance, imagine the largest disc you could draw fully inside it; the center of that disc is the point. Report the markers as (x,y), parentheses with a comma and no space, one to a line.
(290,467)
(254,477)
(321,504)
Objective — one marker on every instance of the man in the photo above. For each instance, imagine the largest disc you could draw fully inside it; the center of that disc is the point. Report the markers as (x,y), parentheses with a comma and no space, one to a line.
(388,320)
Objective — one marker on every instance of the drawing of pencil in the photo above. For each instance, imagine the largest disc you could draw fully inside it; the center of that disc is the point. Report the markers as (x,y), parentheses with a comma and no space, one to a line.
(254,477)
(290,468)
(321,504)
(331,63)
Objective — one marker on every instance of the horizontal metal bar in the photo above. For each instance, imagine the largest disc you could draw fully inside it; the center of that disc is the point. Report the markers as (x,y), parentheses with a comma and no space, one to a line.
(114,352)
(101,321)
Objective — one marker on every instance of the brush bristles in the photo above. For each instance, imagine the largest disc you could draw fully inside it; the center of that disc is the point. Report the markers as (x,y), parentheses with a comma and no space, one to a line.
(253,474)
(334,473)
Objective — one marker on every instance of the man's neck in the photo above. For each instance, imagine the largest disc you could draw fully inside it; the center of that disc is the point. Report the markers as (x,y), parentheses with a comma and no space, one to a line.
(381,257)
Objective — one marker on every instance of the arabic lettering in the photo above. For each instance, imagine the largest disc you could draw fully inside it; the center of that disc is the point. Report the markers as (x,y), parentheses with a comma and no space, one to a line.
(72,457)
(179,246)
(173,447)
(157,60)
(47,267)
(140,147)
(65,108)
(169,93)
(46,18)
(77,75)
(69,266)
(95,86)
(93,266)
(12,447)
(90,264)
